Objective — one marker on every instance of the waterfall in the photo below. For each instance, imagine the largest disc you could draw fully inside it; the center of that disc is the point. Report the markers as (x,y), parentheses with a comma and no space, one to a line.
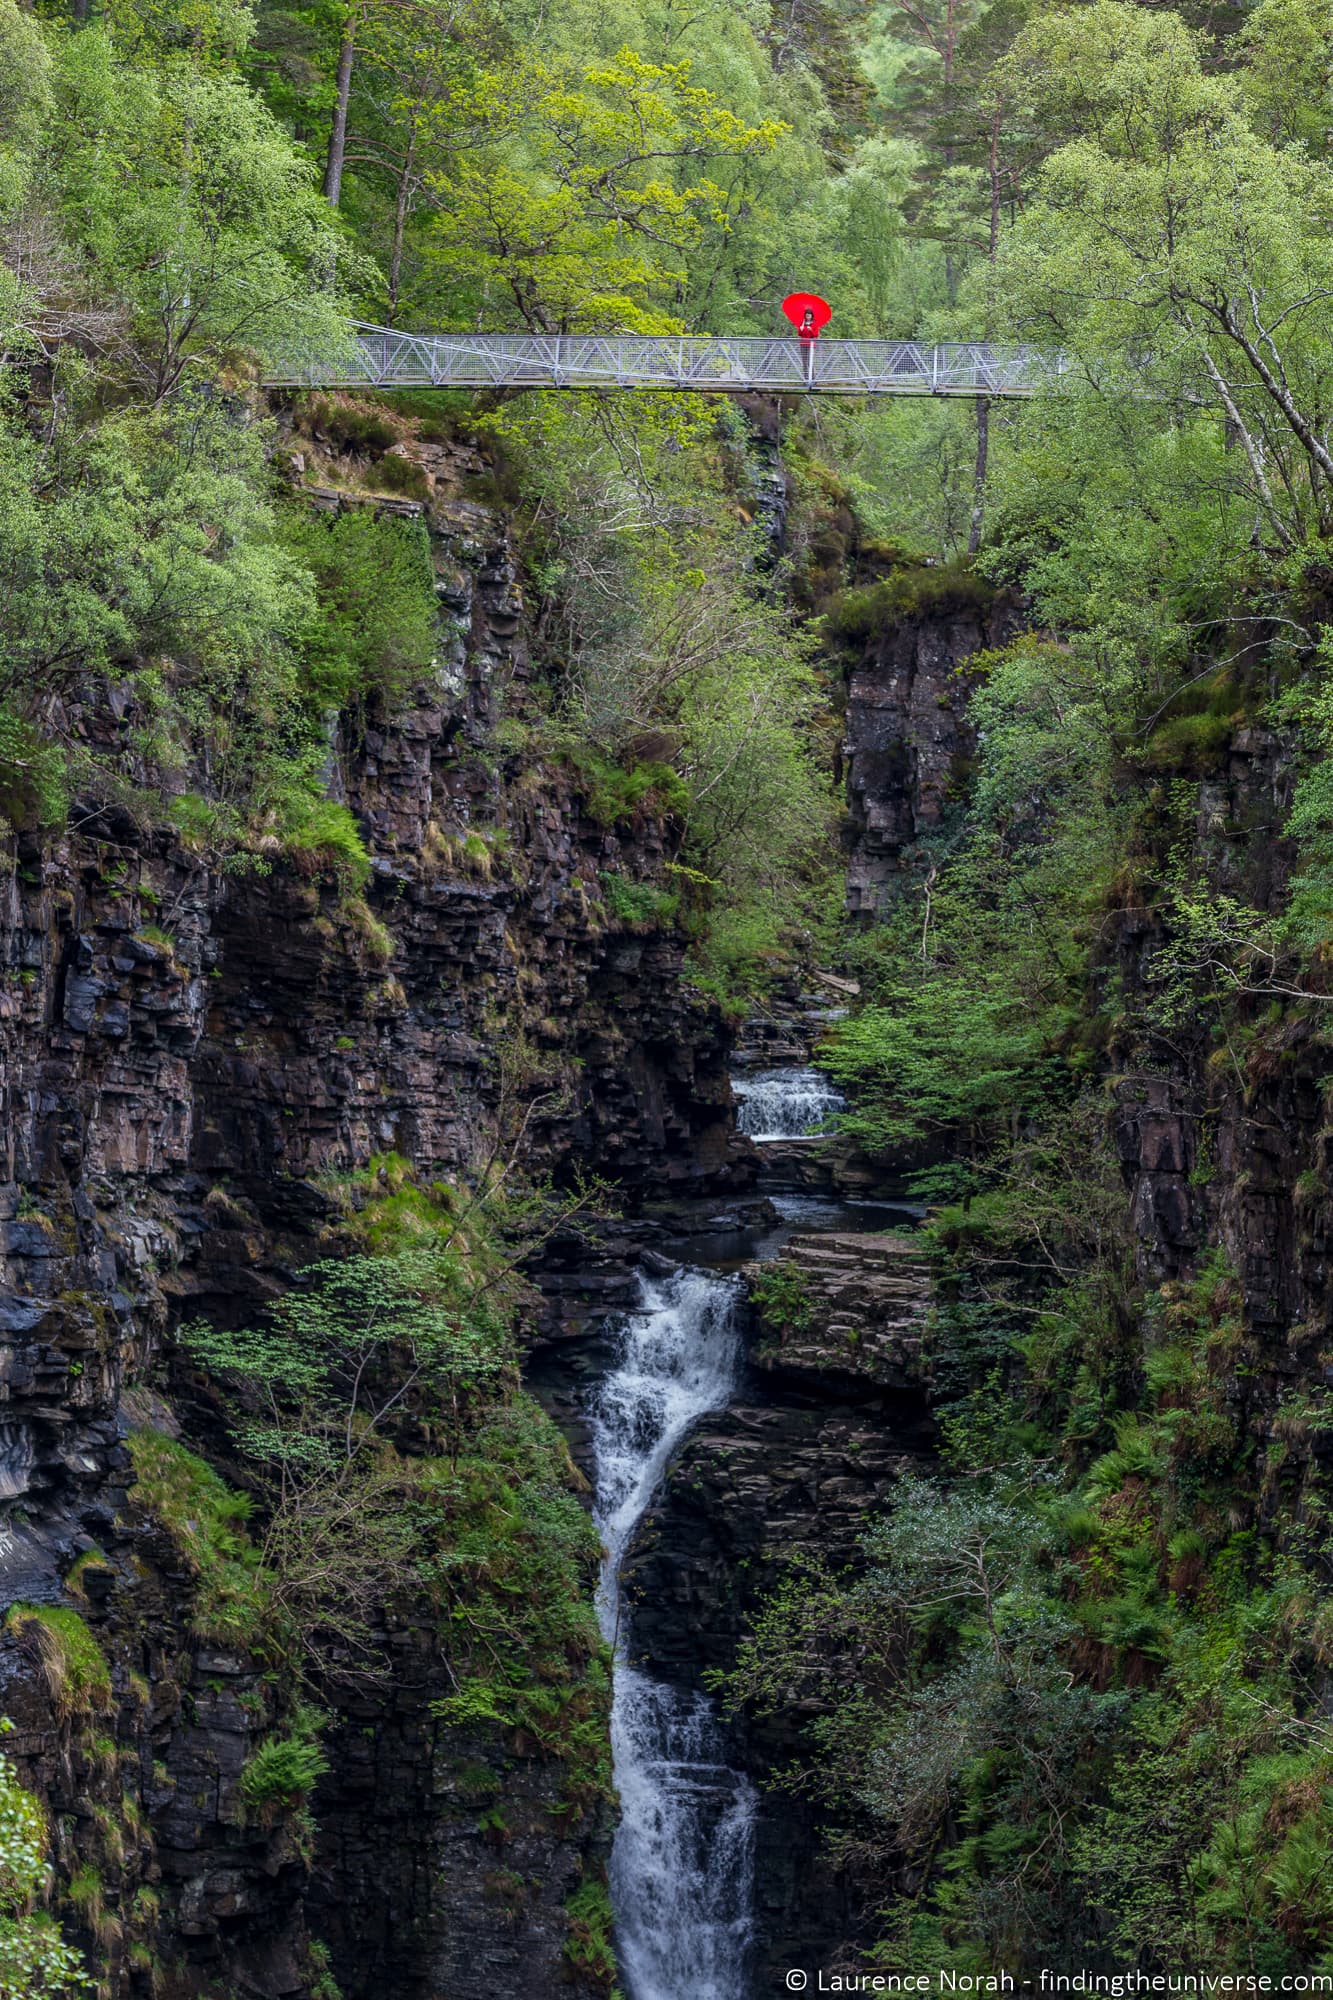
(682,1866)
(785,1103)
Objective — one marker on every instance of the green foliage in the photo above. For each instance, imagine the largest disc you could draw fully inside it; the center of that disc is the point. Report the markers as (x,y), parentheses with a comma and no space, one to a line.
(284,1770)
(234,653)
(1079,1690)
(586,227)
(321,837)
(1189,745)
(191,209)
(35,1962)
(977,981)
(874,611)
(1159,209)
(86,1891)
(614,795)
(1214,1811)
(590,1933)
(374,626)
(323,1985)
(171,236)
(206,1520)
(75,1666)
(376,1404)
(960,1706)
(322,1367)
(781,1293)
(26,66)
(512,1563)
(376,937)
(681,685)
(107,545)
(573,167)
(33,783)
(350,427)
(912,468)
(637,905)
(1308,920)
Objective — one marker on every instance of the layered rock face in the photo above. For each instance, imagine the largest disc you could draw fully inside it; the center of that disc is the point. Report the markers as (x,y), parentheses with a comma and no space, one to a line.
(908,745)
(184,1054)
(1227,1144)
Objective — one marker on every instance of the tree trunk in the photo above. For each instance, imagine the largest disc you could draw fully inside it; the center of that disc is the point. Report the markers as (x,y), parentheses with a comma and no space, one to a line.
(979,477)
(983,402)
(400,211)
(333,166)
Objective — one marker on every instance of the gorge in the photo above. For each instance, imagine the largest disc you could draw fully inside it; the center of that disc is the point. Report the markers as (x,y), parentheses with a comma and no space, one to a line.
(172,1112)
(664,1232)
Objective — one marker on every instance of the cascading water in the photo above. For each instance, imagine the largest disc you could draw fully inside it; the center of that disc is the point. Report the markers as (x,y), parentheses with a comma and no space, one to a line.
(785,1103)
(682,1867)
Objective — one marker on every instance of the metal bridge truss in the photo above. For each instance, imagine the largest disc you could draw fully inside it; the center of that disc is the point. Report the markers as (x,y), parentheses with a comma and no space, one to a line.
(381,357)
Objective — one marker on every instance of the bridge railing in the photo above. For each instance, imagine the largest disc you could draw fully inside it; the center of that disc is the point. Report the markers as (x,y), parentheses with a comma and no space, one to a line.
(386,358)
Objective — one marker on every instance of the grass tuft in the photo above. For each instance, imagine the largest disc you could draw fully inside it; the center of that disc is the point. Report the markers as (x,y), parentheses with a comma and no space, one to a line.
(73,1663)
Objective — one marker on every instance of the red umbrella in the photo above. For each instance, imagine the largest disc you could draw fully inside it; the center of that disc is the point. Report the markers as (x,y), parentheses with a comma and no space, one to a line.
(797,304)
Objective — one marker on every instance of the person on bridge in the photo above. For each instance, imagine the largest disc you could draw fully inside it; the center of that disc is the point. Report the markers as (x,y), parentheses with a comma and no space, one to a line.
(809,314)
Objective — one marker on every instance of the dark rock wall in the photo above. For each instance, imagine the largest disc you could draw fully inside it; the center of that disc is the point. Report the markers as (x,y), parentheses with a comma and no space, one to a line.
(908,745)
(167,1109)
(1225,1142)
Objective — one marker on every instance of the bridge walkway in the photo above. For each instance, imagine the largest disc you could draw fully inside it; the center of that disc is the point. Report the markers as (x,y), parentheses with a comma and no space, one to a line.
(379,357)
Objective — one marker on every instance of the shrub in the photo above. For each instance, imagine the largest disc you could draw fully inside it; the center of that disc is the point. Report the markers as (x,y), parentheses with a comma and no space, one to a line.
(323,1985)
(637,904)
(478,855)
(35,1962)
(783,1297)
(613,795)
(373,626)
(34,792)
(873,610)
(285,1770)
(512,1560)
(349,428)
(402,475)
(1190,745)
(590,1923)
(323,838)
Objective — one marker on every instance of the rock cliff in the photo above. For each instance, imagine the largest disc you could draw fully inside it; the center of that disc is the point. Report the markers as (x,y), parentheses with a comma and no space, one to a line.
(186,1055)
(908,744)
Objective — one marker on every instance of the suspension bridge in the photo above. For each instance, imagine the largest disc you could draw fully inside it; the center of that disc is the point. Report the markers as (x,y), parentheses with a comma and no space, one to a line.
(382,357)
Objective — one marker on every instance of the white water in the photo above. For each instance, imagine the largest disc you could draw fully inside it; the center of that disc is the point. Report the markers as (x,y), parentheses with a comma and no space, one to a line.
(682,1866)
(785,1103)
